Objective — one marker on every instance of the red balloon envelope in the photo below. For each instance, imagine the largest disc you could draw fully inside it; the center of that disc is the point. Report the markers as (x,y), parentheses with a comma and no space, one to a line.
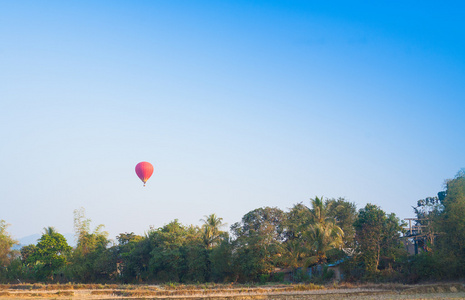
(144,170)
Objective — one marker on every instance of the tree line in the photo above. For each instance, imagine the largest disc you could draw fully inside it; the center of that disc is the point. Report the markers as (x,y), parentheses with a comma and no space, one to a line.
(267,244)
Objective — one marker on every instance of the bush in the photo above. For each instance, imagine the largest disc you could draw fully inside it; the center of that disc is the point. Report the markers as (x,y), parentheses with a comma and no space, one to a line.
(277,277)
(264,278)
(300,276)
(327,274)
(352,269)
(426,266)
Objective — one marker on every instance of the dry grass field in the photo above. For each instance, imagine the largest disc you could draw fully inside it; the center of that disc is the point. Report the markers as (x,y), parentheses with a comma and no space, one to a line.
(232,291)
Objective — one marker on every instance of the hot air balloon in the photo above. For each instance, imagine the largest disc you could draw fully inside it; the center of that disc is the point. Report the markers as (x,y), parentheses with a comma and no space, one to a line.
(144,170)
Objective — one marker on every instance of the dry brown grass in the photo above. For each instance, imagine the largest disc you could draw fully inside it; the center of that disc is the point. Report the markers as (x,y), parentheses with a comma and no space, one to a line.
(64,293)
(435,288)
(228,291)
(370,286)
(55,287)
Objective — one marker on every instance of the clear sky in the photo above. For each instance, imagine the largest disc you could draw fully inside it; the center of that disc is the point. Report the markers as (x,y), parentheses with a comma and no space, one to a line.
(238,105)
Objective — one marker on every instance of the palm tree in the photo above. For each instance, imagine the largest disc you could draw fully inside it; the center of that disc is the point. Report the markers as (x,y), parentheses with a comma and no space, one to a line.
(211,230)
(323,237)
(323,234)
(320,210)
(293,251)
(50,230)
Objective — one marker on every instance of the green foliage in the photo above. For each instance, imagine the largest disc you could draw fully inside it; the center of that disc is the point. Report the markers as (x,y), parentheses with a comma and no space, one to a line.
(322,238)
(16,270)
(322,234)
(49,255)
(197,262)
(335,254)
(221,260)
(296,220)
(134,259)
(264,278)
(300,276)
(126,238)
(295,247)
(166,257)
(258,240)
(353,268)
(369,227)
(345,214)
(424,266)
(6,243)
(378,238)
(91,260)
(427,212)
(265,240)
(211,233)
(26,252)
(327,275)
(450,224)
(312,232)
(277,277)
(320,211)
(88,241)
(266,221)
(178,254)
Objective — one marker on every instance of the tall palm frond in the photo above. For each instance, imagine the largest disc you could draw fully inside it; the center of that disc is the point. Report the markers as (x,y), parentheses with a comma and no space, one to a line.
(323,237)
(211,230)
(320,210)
(49,230)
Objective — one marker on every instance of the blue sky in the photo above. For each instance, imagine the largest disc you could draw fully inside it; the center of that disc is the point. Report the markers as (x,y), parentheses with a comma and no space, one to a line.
(238,105)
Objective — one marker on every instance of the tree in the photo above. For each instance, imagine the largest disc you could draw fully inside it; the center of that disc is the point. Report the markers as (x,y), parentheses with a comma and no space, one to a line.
(7,255)
(442,219)
(49,255)
(211,233)
(369,229)
(91,252)
(320,211)
(451,227)
(50,230)
(221,259)
(321,234)
(127,244)
(296,221)
(258,241)
(6,243)
(345,214)
(212,236)
(266,222)
(166,257)
(294,248)
(178,254)
(427,212)
(26,252)
(312,232)
(196,257)
(87,241)
(323,237)
(126,238)
(134,257)
(293,252)
(377,234)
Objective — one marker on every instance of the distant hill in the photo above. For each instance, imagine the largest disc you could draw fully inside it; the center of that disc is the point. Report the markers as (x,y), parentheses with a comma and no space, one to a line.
(32,239)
